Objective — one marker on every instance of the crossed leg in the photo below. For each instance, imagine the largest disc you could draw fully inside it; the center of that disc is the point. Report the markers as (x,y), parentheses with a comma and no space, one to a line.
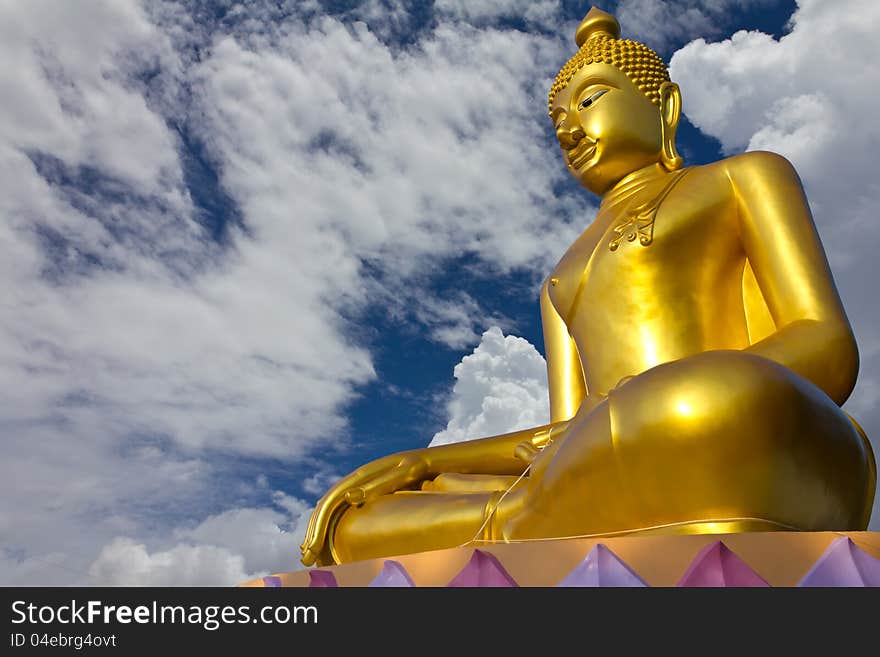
(721,439)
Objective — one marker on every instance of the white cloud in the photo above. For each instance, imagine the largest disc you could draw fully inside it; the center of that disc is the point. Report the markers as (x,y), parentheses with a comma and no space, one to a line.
(500,387)
(223,550)
(388,153)
(660,23)
(63,496)
(127,318)
(384,17)
(545,13)
(127,563)
(267,540)
(453,321)
(810,96)
(67,91)
(320,482)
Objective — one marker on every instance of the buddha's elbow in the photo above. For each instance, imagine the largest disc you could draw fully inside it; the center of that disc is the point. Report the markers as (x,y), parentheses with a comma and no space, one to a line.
(841,362)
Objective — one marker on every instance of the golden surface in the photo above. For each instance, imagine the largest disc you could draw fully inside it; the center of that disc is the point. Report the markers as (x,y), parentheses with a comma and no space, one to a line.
(697,353)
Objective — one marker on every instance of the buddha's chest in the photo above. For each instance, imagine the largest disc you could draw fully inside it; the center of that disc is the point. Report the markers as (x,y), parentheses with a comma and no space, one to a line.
(635,250)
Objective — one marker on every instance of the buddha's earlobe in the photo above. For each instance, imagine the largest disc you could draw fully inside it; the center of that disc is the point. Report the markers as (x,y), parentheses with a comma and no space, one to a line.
(670,113)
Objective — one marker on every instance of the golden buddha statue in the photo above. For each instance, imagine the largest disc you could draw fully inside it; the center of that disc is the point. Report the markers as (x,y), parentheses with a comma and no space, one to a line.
(697,351)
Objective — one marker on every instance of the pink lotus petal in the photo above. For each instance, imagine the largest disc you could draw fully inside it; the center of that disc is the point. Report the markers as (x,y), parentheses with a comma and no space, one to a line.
(322,579)
(483,570)
(843,564)
(716,565)
(393,574)
(601,567)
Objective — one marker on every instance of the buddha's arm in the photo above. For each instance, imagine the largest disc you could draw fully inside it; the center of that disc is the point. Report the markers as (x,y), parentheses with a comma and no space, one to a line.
(565,375)
(500,454)
(813,336)
(508,453)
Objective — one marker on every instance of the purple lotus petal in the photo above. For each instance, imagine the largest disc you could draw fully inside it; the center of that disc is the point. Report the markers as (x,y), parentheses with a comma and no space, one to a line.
(482,570)
(272,581)
(322,579)
(843,564)
(601,567)
(393,574)
(716,565)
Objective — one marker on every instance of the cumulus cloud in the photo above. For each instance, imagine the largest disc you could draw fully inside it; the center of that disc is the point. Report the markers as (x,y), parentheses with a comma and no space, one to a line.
(127,563)
(811,97)
(223,550)
(500,387)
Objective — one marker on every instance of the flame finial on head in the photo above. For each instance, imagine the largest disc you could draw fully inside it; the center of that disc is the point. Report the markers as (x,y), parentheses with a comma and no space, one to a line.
(596,22)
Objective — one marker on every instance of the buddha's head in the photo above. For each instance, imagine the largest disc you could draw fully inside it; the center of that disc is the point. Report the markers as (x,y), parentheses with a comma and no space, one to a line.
(613,106)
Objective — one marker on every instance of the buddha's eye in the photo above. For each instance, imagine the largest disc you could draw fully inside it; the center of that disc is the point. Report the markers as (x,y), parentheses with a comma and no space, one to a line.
(592,98)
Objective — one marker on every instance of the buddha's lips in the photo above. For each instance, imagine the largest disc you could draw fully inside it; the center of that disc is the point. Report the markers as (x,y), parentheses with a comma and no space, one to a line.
(581,153)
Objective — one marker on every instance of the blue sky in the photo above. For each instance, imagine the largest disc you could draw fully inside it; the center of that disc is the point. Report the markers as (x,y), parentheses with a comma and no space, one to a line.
(250,247)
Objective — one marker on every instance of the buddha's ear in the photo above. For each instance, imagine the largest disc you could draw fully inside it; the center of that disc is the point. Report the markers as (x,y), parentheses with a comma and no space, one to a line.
(670,113)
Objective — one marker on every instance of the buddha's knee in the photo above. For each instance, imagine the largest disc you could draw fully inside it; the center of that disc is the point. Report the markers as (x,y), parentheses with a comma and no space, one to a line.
(723,396)
(747,433)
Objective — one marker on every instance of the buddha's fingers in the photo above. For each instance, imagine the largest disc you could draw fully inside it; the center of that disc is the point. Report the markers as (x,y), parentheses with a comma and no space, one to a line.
(316,534)
(329,505)
(319,517)
(310,531)
(380,477)
(308,557)
(526,451)
(529,449)
(410,471)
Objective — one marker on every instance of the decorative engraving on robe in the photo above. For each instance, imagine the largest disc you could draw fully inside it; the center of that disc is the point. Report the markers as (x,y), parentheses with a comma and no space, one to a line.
(639,222)
(639,225)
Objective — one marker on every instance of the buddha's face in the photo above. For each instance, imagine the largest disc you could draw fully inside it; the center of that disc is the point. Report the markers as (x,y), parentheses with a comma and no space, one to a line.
(606,127)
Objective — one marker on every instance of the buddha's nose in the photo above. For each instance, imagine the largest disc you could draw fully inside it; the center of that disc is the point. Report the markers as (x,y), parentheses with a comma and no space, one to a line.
(569,137)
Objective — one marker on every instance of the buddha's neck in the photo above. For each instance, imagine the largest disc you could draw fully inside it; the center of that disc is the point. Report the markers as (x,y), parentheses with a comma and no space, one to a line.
(633,182)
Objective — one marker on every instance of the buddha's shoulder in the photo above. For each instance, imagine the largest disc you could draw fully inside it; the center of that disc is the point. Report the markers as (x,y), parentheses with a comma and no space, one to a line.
(751,165)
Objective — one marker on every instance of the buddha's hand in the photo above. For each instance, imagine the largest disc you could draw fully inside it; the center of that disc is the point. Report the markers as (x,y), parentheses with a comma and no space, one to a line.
(528,450)
(401,471)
